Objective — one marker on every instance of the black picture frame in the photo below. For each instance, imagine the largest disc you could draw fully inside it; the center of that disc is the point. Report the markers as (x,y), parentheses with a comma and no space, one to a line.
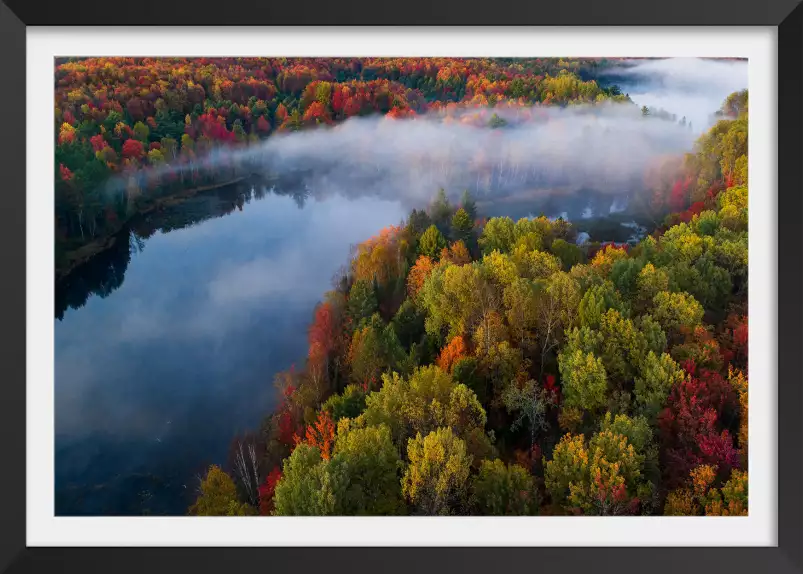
(787,15)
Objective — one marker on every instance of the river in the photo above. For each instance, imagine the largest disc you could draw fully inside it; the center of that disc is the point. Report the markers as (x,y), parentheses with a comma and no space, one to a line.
(154,379)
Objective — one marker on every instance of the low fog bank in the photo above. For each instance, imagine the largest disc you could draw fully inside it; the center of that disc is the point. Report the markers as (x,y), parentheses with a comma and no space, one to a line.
(601,150)
(690,87)
(605,148)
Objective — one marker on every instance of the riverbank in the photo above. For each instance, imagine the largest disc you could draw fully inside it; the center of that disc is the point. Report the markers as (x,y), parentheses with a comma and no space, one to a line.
(77,257)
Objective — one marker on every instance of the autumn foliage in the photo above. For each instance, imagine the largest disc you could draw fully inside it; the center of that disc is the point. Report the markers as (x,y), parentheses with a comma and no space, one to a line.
(451,353)
(266,491)
(418,274)
(320,434)
(693,426)
(609,379)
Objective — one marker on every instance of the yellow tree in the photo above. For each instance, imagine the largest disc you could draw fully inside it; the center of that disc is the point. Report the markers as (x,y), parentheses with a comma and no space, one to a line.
(218,496)
(700,497)
(602,478)
(435,479)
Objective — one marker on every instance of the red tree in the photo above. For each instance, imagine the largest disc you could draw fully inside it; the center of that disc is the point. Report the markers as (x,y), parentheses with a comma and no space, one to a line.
(322,337)
(262,125)
(451,353)
(64,172)
(267,490)
(97,141)
(281,114)
(691,426)
(133,149)
(286,428)
(316,112)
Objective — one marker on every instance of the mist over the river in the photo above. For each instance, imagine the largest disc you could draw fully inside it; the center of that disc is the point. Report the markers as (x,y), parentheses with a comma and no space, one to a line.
(693,88)
(605,148)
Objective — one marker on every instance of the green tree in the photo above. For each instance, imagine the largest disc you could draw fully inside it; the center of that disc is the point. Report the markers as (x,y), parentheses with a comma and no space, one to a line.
(370,462)
(639,433)
(187,144)
(651,281)
(534,264)
(653,334)
(595,303)
(462,224)
(500,268)
(677,312)
(408,324)
(362,303)
(521,309)
(625,274)
(426,400)
(585,384)
(306,488)
(569,254)
(469,205)
(155,157)
(441,209)
(496,122)
(431,243)
(456,298)
(349,404)
(374,349)
(361,478)
(527,242)
(504,490)
(466,372)
(498,234)
(169,148)
(557,313)
(621,346)
(657,376)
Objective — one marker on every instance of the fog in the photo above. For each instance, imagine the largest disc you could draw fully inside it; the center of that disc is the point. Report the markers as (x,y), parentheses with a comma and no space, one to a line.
(690,87)
(605,149)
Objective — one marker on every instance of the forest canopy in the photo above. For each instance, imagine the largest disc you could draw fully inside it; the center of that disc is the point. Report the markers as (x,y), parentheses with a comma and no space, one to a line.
(466,366)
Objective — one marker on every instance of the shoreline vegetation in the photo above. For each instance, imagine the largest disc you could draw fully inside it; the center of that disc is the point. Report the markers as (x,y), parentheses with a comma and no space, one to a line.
(463,366)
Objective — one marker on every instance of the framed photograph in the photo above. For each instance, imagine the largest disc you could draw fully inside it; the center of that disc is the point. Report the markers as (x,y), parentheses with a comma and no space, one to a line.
(429,291)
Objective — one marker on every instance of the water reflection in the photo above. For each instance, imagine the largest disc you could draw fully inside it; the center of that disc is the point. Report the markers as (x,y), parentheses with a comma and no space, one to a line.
(211,297)
(105,272)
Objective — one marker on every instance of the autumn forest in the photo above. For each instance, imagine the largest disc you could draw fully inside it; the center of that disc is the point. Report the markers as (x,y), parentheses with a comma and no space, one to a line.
(460,363)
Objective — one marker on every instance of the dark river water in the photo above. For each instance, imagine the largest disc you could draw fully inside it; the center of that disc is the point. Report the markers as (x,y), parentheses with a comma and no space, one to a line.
(153,380)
